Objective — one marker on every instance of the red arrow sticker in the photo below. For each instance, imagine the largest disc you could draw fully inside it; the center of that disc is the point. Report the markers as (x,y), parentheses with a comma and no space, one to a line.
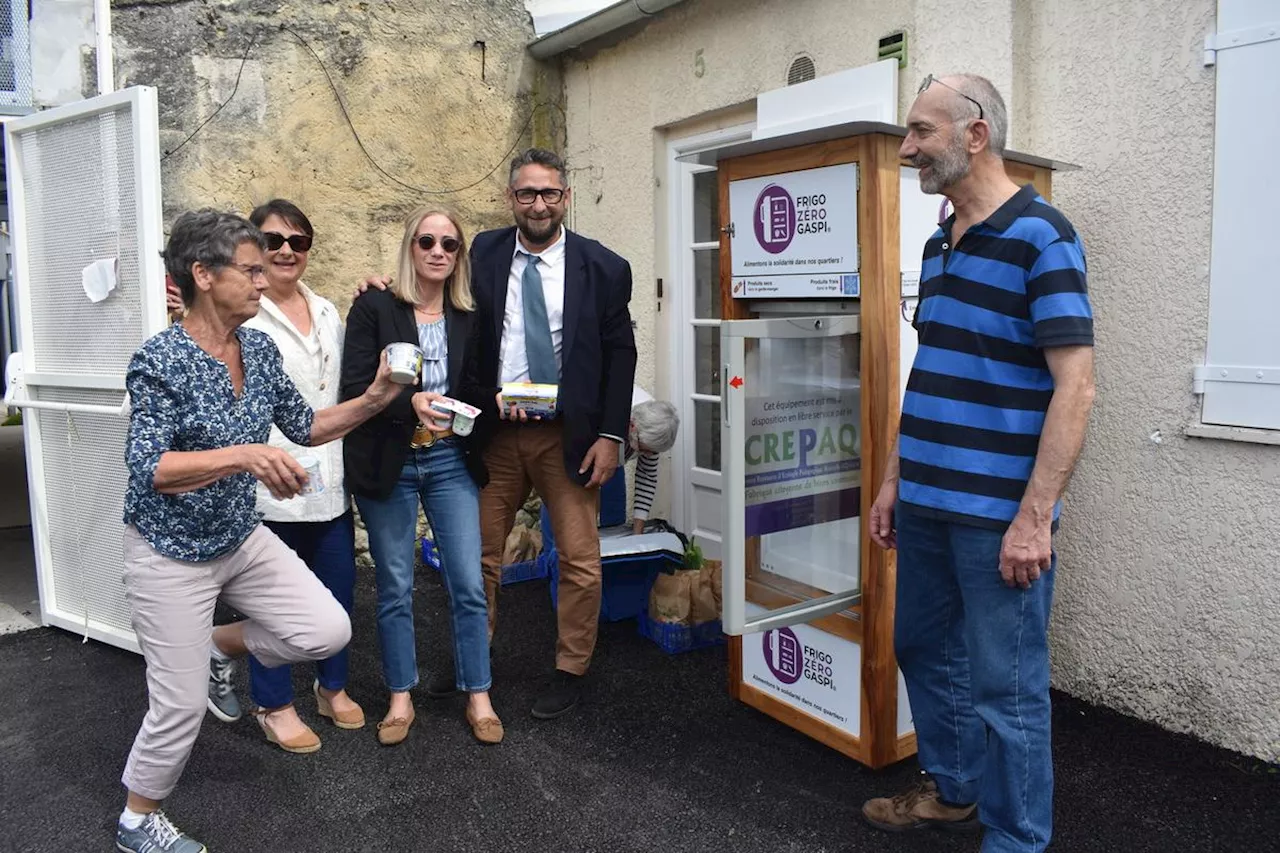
(736,382)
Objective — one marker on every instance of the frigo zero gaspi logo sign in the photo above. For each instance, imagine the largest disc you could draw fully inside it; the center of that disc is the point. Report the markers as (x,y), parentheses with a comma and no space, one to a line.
(775,219)
(802,237)
(789,660)
(779,217)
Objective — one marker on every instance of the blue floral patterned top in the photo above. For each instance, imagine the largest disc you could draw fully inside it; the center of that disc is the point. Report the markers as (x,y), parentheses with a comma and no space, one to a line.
(182,400)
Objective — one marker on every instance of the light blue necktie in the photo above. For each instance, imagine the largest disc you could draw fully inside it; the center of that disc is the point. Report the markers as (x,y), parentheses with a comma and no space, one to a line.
(537,329)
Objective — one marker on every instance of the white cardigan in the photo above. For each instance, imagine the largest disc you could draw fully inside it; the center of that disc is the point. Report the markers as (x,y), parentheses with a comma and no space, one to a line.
(314,363)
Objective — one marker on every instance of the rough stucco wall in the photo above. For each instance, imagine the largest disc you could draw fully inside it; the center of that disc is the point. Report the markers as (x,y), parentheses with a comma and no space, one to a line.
(1166,600)
(948,36)
(1163,610)
(410,75)
(617,131)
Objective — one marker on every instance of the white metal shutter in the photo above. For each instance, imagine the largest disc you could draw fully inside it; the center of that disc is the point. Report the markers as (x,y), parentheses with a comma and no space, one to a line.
(1240,379)
(84,186)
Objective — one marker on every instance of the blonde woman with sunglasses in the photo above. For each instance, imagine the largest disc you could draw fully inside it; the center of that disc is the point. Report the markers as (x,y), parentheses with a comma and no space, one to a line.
(409,456)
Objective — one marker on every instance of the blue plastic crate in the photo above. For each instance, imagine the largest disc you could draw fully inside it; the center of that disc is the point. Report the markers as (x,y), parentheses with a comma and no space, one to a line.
(627,581)
(430,554)
(673,638)
(525,570)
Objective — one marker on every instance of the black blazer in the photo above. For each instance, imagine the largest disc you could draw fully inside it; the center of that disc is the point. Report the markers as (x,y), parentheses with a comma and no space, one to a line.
(598,350)
(375,452)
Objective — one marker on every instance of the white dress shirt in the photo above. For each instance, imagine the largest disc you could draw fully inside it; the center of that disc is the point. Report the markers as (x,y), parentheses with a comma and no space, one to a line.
(314,363)
(515,361)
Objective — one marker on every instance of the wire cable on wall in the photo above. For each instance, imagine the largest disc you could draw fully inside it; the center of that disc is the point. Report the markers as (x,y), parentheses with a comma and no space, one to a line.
(214,114)
(342,107)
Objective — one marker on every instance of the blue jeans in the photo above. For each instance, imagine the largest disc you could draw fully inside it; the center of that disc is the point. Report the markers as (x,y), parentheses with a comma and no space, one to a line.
(437,476)
(975,657)
(329,549)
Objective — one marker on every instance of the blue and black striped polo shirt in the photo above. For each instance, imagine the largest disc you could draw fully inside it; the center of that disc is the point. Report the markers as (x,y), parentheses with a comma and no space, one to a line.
(979,387)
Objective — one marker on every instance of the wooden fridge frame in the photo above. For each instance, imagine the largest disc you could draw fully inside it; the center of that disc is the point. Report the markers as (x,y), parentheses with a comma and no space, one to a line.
(869,623)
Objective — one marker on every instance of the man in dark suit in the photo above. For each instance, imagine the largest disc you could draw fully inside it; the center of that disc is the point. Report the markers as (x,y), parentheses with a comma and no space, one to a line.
(553,309)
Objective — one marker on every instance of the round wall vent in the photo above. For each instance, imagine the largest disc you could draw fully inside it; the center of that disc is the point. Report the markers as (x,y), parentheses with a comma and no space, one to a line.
(801,70)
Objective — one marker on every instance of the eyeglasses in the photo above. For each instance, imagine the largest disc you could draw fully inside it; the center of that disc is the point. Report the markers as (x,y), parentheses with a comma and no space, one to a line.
(427,241)
(550,195)
(297,242)
(930,80)
(251,270)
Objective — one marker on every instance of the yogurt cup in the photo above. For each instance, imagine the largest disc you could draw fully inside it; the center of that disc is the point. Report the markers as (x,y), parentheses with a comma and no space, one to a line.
(315,482)
(464,414)
(405,360)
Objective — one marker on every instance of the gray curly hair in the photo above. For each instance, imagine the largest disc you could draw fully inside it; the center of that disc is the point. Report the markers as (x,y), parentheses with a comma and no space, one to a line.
(208,237)
(656,423)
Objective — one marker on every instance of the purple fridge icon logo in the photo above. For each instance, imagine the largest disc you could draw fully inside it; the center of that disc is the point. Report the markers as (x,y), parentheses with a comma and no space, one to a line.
(775,219)
(783,655)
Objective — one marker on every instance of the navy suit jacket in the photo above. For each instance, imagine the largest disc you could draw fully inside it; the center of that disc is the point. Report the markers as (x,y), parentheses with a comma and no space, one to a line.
(598,348)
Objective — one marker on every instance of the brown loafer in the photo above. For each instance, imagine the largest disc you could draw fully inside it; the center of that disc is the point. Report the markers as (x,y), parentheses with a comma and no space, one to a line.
(395,730)
(301,744)
(488,730)
(341,719)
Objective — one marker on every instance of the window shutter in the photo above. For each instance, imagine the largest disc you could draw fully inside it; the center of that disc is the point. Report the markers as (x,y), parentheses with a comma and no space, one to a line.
(1240,379)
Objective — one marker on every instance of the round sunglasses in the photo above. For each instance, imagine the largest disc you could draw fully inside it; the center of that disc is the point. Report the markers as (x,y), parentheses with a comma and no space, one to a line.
(427,241)
(297,242)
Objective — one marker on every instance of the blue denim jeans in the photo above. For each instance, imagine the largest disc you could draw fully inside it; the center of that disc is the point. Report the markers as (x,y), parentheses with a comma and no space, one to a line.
(436,476)
(975,657)
(329,549)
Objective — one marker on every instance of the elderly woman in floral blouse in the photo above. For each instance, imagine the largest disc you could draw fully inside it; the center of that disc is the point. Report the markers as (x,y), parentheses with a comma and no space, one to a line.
(204,395)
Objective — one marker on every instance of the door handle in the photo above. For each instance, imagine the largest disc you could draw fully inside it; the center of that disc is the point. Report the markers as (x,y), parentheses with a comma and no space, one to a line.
(13,396)
(724,394)
(75,408)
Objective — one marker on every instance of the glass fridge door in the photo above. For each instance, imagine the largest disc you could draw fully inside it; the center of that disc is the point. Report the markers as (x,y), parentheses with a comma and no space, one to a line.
(792,466)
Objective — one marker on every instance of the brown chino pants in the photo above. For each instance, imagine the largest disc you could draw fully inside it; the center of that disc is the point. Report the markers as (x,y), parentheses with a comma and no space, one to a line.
(522,455)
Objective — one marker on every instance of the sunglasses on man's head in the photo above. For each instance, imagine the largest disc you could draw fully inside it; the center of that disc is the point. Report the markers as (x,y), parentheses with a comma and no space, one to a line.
(449,244)
(929,80)
(297,242)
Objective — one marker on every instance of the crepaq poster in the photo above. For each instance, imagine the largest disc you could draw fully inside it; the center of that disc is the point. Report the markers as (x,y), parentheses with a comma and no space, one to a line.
(802,460)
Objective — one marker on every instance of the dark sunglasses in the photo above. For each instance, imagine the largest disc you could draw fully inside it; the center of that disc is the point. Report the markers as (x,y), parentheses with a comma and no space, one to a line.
(930,80)
(449,244)
(297,242)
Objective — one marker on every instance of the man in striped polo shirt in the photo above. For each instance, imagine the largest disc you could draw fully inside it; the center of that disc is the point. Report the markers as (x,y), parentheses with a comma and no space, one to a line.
(992,423)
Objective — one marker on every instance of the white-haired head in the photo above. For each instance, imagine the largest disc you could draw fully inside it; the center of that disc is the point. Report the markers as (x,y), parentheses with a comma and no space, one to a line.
(654,424)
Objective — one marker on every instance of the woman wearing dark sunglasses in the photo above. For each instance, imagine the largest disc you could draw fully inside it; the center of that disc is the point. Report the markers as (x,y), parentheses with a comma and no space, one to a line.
(406,457)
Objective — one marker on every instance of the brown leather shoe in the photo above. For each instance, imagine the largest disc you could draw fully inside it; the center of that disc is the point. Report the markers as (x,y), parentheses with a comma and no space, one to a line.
(394,731)
(301,744)
(488,730)
(342,719)
(918,807)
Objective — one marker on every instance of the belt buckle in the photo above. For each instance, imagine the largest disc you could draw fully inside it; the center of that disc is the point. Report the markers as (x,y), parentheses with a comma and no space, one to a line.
(422,438)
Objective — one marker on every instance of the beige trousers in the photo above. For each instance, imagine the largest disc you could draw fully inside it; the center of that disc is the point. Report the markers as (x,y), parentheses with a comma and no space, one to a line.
(292,618)
(530,454)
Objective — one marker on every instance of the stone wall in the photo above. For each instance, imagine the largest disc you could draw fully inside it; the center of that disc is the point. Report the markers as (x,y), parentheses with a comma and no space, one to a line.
(439,94)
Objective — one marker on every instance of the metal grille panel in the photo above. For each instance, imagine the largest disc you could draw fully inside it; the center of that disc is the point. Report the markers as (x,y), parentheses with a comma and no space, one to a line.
(15,55)
(85,476)
(80,206)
